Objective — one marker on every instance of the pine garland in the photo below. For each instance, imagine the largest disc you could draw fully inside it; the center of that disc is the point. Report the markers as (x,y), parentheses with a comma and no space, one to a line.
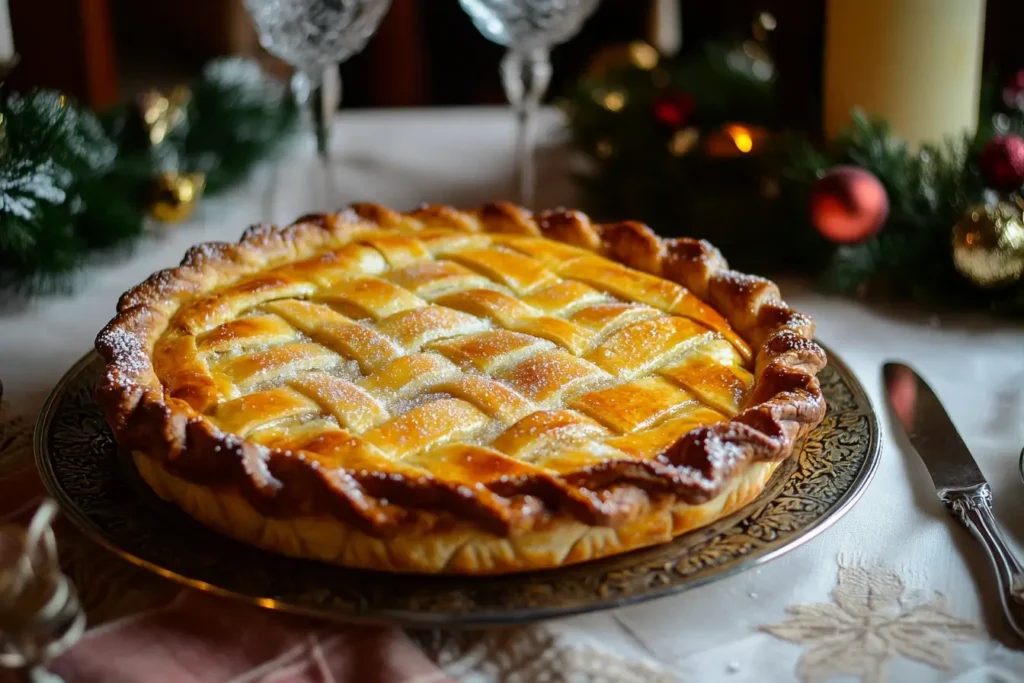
(929,190)
(72,183)
(755,206)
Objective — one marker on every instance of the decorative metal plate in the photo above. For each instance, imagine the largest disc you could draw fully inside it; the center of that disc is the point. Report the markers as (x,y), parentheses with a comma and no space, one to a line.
(102,493)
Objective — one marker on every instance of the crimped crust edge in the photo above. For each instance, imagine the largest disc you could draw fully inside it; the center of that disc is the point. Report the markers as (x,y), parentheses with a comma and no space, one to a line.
(786,401)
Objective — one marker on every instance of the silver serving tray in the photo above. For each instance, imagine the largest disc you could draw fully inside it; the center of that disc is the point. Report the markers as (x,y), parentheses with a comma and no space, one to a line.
(100,491)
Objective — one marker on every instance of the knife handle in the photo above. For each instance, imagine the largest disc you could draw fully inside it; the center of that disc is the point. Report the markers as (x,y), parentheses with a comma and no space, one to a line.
(973,507)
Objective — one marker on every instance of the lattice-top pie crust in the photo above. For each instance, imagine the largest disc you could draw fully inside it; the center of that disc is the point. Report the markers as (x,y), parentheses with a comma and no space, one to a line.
(488,367)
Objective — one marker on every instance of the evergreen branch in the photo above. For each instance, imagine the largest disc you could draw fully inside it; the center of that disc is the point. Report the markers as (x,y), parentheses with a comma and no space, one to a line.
(72,183)
(633,175)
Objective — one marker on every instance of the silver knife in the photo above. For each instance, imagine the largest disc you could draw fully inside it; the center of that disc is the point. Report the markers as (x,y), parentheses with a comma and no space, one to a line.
(958,481)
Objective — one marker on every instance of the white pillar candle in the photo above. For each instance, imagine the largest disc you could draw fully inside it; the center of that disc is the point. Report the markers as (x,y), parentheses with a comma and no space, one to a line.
(915,63)
(6,34)
(667,26)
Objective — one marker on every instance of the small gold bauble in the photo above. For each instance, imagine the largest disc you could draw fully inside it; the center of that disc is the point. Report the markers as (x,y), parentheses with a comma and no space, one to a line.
(988,244)
(637,54)
(176,195)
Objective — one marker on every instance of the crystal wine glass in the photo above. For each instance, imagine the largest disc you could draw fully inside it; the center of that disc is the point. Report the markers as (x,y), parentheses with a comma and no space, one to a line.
(529,29)
(315,37)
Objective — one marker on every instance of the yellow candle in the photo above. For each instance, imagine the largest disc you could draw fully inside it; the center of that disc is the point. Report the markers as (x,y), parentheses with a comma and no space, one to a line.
(915,63)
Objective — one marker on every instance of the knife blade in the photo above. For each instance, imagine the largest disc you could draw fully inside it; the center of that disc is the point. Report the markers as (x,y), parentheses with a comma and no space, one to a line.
(958,480)
(930,430)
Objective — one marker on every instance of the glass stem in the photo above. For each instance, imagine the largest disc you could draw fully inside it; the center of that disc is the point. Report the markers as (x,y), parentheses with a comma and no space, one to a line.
(326,97)
(525,76)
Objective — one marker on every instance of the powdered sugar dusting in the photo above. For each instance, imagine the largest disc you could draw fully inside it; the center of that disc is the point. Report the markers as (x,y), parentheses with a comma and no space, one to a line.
(206,251)
(161,285)
(488,434)
(723,448)
(348,369)
(125,350)
(404,406)
(260,231)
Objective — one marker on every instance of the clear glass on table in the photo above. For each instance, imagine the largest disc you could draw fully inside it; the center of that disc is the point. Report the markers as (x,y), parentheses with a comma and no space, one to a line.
(315,37)
(529,29)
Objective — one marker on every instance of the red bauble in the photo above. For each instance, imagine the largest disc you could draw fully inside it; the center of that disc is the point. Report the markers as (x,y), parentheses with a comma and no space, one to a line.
(674,109)
(1002,162)
(848,204)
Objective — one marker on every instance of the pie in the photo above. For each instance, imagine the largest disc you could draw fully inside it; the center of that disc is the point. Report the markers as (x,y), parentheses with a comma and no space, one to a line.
(462,392)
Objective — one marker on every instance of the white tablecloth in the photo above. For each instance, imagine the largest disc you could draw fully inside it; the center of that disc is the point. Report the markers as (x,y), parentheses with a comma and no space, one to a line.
(897,548)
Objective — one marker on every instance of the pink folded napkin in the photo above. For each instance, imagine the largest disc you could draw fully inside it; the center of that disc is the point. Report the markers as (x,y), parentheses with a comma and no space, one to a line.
(203,639)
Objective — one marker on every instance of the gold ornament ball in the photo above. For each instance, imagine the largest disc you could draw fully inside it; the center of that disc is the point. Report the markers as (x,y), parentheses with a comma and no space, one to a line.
(988,244)
(176,195)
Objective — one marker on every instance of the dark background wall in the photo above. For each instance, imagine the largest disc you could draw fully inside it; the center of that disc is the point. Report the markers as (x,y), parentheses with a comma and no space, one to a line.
(426,52)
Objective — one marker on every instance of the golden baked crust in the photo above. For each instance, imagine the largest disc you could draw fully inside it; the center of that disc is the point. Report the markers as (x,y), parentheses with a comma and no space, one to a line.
(465,392)
(459,548)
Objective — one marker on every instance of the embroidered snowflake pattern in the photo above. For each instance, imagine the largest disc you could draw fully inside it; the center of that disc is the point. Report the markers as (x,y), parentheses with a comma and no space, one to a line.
(870,621)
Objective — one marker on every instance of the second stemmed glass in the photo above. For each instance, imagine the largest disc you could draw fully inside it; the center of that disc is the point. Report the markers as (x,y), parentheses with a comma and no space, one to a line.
(315,36)
(529,29)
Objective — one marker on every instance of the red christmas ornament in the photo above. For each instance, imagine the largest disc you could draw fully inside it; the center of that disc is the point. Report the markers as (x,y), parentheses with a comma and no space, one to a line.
(1002,162)
(848,204)
(674,109)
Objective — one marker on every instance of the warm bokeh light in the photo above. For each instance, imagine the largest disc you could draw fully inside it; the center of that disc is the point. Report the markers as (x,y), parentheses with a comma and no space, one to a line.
(742,137)
(614,101)
(683,141)
(642,55)
(735,140)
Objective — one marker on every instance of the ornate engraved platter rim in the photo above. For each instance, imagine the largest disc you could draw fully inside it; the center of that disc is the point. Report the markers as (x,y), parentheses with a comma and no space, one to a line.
(601,585)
